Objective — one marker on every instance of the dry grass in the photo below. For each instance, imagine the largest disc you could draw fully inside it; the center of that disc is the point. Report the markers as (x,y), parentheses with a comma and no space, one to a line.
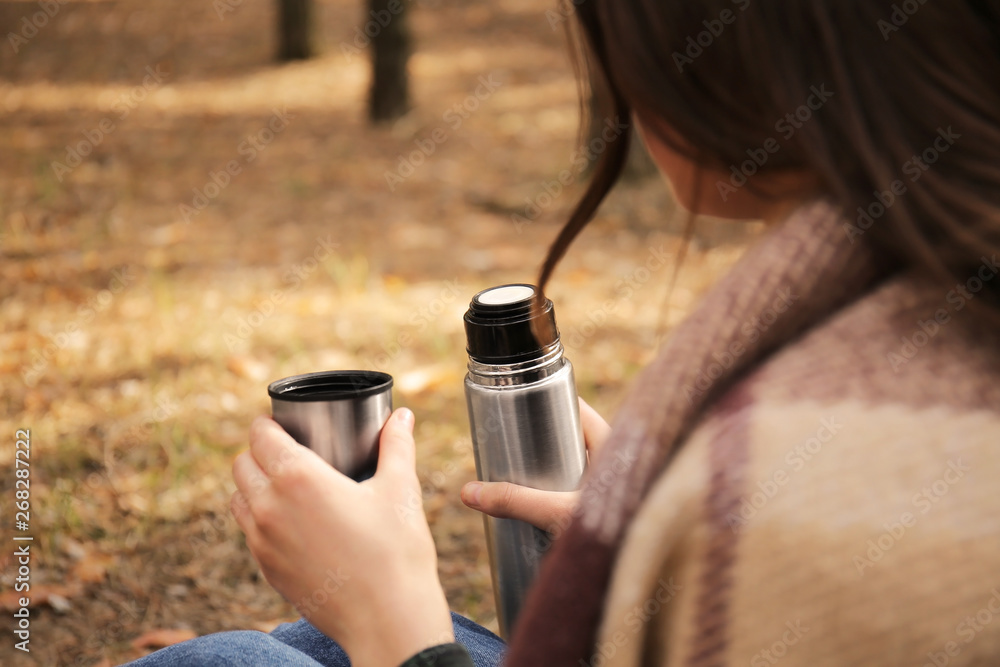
(138,389)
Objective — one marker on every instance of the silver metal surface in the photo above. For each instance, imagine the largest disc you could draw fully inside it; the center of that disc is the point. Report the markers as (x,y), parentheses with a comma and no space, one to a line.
(528,434)
(525,372)
(343,431)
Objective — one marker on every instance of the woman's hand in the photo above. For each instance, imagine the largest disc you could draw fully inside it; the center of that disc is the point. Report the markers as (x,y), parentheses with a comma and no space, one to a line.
(549,510)
(357,560)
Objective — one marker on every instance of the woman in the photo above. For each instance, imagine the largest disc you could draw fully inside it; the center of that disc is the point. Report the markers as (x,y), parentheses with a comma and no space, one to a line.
(805,473)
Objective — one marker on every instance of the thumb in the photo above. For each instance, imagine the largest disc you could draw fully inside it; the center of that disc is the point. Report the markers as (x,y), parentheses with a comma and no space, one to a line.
(397,458)
(548,510)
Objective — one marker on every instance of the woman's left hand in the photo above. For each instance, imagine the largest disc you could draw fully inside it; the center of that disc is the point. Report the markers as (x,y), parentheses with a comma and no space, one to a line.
(550,511)
(356,559)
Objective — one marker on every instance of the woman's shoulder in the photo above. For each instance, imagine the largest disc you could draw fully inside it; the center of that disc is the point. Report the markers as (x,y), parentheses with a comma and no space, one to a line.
(909,341)
(836,506)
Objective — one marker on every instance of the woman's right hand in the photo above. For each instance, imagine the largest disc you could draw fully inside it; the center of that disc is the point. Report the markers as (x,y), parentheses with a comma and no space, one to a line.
(550,511)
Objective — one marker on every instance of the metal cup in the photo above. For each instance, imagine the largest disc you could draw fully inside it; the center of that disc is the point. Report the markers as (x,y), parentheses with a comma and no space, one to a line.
(337,414)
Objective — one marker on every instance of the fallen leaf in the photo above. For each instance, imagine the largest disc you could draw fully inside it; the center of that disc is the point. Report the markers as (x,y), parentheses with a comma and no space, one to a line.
(73,549)
(177,590)
(394,284)
(163,637)
(34,401)
(268,626)
(334,358)
(9,600)
(168,234)
(248,368)
(59,603)
(428,377)
(39,594)
(92,568)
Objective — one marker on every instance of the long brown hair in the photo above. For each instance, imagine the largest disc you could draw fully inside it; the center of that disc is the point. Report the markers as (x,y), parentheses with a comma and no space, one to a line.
(903,75)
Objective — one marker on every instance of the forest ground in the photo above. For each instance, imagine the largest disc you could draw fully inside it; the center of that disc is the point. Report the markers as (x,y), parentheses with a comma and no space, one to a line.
(137,337)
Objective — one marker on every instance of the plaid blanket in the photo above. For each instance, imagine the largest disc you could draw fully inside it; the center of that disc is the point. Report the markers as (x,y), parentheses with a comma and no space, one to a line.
(806,474)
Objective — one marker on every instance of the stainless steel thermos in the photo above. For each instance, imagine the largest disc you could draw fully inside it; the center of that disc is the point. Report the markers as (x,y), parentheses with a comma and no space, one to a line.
(525,422)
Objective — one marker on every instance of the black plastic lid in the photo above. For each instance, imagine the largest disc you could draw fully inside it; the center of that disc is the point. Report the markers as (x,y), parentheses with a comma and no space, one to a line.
(330,386)
(498,324)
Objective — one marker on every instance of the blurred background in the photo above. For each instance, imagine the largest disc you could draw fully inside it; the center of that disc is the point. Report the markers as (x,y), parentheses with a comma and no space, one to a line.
(198,197)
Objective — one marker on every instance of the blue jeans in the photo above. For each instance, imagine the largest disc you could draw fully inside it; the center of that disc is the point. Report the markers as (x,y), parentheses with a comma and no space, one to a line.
(299,644)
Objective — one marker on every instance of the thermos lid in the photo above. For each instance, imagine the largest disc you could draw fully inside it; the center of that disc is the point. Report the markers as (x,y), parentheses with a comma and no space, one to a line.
(498,324)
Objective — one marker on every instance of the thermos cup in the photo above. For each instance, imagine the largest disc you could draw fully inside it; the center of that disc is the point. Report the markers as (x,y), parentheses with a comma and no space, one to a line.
(525,422)
(337,414)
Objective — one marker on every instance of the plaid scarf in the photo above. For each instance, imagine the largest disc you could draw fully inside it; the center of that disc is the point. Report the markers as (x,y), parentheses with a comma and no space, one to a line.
(703,358)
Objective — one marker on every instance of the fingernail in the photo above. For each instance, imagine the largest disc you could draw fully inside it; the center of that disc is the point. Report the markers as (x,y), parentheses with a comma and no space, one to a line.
(405,416)
(473,490)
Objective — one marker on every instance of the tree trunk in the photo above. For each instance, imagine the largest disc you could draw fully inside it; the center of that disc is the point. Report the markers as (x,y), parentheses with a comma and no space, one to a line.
(294,29)
(389,96)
